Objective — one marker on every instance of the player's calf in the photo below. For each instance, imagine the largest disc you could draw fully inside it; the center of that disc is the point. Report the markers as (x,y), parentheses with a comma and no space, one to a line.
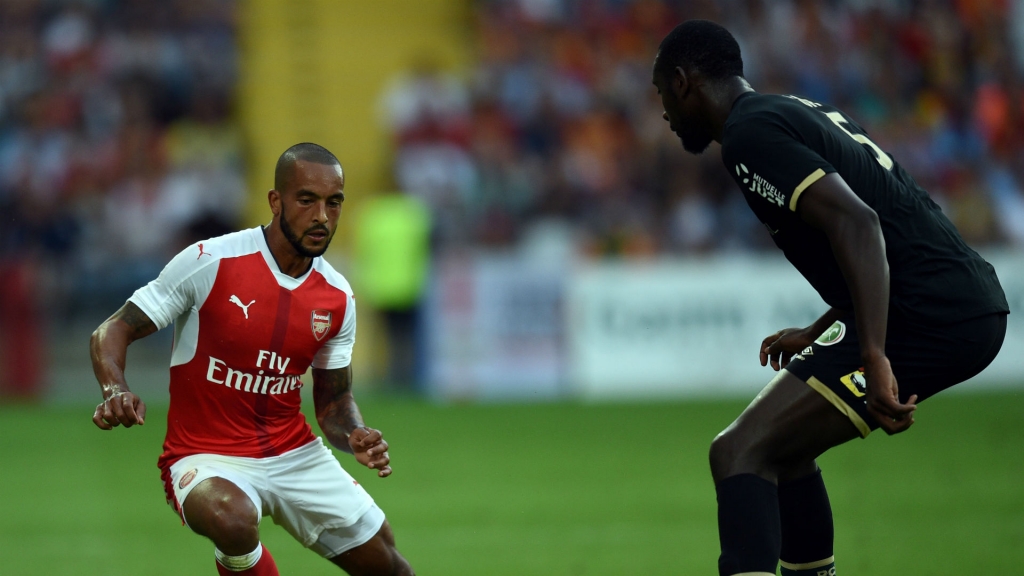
(748,525)
(807,530)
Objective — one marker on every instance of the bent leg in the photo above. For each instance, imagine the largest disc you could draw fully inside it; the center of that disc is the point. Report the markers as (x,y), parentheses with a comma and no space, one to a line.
(777,437)
(224,513)
(378,556)
(785,428)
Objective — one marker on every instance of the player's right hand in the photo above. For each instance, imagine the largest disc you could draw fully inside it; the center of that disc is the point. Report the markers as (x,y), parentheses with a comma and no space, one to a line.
(780,347)
(120,408)
(370,450)
(883,398)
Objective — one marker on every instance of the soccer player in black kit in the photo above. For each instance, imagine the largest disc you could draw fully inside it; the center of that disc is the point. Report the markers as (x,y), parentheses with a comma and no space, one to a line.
(909,301)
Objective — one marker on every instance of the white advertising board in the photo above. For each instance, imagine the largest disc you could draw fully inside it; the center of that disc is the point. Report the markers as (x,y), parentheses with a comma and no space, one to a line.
(510,327)
(683,327)
(494,328)
(694,327)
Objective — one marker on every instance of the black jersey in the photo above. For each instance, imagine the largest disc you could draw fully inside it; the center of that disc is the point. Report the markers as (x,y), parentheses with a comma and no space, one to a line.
(776,146)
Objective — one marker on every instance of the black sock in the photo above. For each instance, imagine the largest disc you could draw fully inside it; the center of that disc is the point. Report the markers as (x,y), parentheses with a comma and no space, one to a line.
(807,532)
(748,525)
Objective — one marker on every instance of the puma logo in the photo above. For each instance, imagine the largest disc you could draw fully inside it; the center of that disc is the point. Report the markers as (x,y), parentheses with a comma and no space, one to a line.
(245,307)
(202,253)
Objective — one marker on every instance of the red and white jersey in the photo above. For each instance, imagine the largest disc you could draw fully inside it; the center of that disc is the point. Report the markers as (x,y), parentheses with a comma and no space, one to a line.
(244,333)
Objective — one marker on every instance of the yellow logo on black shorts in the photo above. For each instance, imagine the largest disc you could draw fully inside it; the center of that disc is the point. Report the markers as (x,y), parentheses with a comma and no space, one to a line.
(856,382)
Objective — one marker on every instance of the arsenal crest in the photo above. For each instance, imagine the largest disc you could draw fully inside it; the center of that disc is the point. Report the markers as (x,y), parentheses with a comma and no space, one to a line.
(187,478)
(320,321)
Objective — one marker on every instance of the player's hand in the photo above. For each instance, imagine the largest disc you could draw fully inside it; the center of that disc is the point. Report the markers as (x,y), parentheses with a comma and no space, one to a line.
(883,398)
(120,408)
(780,347)
(370,450)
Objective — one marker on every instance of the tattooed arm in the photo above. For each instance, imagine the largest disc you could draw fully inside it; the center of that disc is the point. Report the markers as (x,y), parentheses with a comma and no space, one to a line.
(336,409)
(108,348)
(341,422)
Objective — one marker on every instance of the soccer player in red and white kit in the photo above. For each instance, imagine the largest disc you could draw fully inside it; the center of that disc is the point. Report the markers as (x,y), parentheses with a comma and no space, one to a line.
(252,311)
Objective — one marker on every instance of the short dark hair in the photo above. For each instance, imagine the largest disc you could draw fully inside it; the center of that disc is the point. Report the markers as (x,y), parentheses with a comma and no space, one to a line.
(305,151)
(700,45)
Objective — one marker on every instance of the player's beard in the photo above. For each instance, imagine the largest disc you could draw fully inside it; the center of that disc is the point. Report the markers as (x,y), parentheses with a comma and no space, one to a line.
(694,142)
(296,241)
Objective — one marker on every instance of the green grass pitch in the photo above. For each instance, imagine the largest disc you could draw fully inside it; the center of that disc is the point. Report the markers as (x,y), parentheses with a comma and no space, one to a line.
(551,489)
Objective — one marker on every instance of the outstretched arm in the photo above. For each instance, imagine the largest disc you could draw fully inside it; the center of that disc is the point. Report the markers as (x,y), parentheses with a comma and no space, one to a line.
(108,348)
(341,422)
(855,235)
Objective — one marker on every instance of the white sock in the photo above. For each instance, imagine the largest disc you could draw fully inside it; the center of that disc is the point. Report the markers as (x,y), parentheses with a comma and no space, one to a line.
(239,563)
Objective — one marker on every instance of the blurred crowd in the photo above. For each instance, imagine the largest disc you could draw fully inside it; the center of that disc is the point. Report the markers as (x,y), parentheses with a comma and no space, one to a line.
(117,143)
(557,120)
(119,146)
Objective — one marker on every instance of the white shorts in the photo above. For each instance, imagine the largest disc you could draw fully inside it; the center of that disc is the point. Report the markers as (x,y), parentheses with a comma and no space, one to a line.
(305,491)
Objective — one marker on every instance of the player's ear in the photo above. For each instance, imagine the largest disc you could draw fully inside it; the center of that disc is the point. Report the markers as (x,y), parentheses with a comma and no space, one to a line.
(274,199)
(680,82)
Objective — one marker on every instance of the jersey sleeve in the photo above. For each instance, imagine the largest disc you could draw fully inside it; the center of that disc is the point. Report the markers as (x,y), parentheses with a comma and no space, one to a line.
(337,352)
(769,160)
(183,283)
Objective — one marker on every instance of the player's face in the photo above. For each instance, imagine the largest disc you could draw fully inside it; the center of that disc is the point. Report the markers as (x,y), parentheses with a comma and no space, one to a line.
(310,206)
(680,102)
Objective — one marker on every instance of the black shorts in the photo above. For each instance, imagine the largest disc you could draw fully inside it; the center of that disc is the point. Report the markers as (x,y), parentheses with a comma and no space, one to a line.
(925,361)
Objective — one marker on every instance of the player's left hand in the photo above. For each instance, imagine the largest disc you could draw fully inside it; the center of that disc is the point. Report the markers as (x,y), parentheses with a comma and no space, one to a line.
(370,450)
(779,348)
(883,398)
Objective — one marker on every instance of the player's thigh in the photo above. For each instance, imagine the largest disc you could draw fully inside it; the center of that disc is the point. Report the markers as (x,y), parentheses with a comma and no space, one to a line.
(377,557)
(215,494)
(374,556)
(781,432)
(309,493)
(335,541)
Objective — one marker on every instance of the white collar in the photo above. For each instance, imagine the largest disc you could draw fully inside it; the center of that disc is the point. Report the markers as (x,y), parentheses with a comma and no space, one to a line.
(285,281)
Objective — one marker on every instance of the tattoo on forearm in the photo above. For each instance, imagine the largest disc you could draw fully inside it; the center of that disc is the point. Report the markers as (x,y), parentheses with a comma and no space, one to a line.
(140,324)
(336,409)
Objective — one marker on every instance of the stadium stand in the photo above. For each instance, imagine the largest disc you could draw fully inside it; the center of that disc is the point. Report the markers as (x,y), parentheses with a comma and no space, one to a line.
(558,120)
(116,139)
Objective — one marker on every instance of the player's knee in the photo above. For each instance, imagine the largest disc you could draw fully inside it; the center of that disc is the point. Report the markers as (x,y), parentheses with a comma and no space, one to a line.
(738,451)
(232,525)
(235,536)
(722,454)
(734,452)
